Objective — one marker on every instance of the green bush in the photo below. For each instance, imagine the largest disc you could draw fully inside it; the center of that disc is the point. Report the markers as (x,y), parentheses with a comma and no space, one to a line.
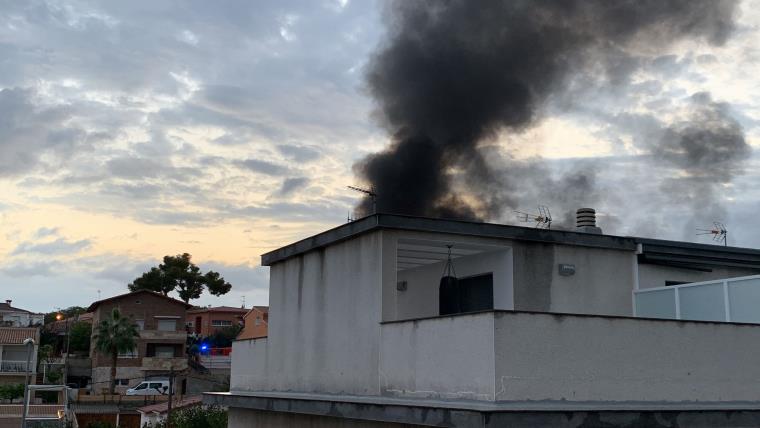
(12,391)
(196,417)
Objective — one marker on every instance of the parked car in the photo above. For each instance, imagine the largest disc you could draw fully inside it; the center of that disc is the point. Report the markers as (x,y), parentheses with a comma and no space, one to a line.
(150,387)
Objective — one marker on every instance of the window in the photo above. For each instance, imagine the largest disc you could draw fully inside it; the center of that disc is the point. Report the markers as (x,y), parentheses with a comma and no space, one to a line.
(140,324)
(141,386)
(221,323)
(158,386)
(164,351)
(167,325)
(121,382)
(258,321)
(128,354)
(476,293)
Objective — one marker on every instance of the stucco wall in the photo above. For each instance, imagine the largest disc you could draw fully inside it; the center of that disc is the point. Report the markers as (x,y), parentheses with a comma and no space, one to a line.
(577,358)
(323,327)
(247,418)
(443,358)
(651,276)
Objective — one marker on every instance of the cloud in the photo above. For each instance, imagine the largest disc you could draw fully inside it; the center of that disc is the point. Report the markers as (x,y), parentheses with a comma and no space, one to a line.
(263,167)
(290,185)
(299,153)
(58,247)
(46,231)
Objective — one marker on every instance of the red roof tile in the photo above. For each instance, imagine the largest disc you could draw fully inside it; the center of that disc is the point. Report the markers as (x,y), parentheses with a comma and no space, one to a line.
(17,336)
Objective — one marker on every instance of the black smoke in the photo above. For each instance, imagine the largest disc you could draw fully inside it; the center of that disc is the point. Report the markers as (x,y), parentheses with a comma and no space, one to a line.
(454,74)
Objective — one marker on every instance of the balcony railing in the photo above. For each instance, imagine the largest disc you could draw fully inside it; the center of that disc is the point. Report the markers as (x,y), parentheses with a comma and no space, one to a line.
(164,363)
(12,366)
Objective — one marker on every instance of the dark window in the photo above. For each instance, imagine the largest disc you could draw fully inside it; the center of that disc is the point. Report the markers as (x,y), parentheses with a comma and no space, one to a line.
(671,283)
(476,293)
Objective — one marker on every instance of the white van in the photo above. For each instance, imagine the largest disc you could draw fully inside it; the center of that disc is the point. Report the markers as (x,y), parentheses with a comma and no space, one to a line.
(150,387)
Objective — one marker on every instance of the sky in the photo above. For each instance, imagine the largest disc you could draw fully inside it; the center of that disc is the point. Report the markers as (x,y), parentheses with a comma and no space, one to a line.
(133,130)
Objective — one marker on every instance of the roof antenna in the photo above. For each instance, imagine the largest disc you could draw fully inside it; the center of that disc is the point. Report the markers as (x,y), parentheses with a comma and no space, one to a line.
(718,232)
(543,219)
(243,307)
(369,192)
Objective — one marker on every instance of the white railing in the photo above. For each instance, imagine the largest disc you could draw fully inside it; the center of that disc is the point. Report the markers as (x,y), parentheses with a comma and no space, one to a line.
(12,366)
(728,300)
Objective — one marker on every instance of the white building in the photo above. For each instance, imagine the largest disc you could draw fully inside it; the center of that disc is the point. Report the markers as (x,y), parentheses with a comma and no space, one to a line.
(546,335)
(15,317)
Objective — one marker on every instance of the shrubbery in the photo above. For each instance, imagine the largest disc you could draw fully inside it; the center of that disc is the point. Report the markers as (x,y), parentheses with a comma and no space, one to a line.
(10,392)
(196,417)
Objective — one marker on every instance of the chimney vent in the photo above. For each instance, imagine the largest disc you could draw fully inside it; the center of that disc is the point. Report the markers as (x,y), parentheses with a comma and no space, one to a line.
(585,221)
(8,301)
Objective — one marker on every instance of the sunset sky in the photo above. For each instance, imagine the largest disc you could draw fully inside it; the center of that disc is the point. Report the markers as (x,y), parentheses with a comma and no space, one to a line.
(135,129)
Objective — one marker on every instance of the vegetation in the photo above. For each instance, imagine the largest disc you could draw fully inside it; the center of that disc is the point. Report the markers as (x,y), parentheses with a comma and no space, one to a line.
(196,417)
(79,337)
(178,273)
(11,391)
(115,334)
(223,337)
(69,312)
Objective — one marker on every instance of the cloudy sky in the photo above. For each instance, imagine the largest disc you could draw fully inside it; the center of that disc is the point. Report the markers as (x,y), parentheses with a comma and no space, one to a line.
(132,130)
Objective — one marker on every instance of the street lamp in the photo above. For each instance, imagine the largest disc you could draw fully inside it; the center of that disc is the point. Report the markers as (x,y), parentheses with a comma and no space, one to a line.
(29,343)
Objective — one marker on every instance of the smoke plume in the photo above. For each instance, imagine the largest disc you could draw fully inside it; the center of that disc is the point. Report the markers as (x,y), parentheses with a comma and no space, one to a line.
(454,74)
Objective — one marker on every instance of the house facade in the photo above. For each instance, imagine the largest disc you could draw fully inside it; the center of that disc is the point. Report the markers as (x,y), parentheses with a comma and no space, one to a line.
(204,322)
(162,344)
(255,323)
(16,317)
(13,354)
(544,333)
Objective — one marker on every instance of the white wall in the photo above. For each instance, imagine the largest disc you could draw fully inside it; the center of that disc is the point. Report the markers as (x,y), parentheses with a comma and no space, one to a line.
(442,358)
(324,322)
(578,358)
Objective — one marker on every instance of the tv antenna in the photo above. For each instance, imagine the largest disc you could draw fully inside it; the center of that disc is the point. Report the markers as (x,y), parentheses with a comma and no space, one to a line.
(369,192)
(718,232)
(543,219)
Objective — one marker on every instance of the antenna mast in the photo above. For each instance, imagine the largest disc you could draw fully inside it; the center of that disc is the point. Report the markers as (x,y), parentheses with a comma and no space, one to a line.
(718,232)
(369,192)
(543,219)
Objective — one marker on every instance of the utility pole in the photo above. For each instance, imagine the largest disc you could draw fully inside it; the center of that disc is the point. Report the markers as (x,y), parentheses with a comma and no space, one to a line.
(66,355)
(171,393)
(29,343)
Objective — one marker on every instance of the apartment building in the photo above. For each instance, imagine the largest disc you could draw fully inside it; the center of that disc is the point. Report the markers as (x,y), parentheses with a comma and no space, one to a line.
(162,344)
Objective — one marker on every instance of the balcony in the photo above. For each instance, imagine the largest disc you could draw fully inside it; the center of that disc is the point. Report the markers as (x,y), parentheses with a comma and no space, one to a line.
(164,363)
(7,366)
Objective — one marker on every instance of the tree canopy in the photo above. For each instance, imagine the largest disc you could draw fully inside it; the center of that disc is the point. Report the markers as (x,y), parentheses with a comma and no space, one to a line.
(179,273)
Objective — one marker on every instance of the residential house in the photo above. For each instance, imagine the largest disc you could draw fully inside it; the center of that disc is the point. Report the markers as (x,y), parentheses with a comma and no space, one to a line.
(204,322)
(368,329)
(15,317)
(13,354)
(255,323)
(162,342)
(154,414)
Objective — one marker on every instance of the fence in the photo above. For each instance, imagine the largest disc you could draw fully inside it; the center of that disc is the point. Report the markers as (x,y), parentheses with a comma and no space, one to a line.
(13,366)
(728,300)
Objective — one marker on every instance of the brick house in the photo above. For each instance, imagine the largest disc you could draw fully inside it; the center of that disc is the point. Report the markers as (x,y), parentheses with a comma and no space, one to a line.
(162,342)
(204,322)
(13,354)
(256,323)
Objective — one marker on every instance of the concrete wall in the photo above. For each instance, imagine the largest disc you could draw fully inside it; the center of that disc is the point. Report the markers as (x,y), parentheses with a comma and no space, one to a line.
(323,328)
(422,294)
(651,276)
(514,356)
(250,369)
(247,418)
(443,358)
(602,283)
(578,358)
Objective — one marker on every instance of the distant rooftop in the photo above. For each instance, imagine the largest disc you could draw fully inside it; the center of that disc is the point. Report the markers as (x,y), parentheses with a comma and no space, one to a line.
(6,307)
(655,251)
(94,305)
(218,309)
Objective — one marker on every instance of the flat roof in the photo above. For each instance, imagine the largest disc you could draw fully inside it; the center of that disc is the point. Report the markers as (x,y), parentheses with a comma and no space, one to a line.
(675,253)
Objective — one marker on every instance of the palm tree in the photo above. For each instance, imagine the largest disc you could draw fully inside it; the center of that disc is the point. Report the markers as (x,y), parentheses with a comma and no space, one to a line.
(115,334)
